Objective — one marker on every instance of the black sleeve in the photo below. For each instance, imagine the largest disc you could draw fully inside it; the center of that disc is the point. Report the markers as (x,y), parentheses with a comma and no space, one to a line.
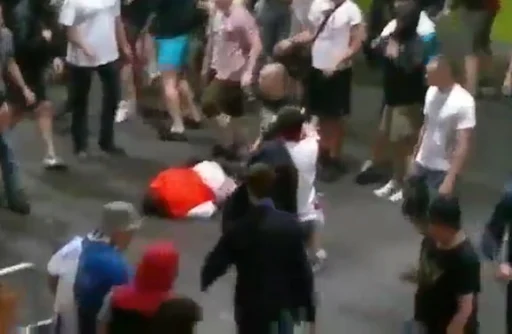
(467,277)
(304,282)
(217,262)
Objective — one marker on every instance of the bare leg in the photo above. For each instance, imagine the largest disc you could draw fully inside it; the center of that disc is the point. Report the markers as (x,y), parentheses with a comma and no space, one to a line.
(173,105)
(44,112)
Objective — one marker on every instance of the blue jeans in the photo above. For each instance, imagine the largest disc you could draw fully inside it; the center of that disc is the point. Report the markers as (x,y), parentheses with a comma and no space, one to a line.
(434,178)
(10,171)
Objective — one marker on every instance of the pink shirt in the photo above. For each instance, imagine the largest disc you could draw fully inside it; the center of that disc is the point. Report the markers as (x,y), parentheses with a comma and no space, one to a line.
(231,37)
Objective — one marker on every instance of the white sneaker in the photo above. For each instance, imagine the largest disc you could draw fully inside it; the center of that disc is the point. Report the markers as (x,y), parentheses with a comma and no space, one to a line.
(366,165)
(223,120)
(318,260)
(386,190)
(397,197)
(54,163)
(124,110)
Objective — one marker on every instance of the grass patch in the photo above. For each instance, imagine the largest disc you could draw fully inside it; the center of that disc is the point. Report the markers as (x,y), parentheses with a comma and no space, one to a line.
(502,26)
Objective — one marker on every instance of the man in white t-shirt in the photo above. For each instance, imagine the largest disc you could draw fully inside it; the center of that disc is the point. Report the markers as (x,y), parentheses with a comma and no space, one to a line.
(445,139)
(95,36)
(329,86)
(62,270)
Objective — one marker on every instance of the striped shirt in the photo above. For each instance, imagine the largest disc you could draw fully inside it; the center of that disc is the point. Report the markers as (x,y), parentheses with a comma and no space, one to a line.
(231,36)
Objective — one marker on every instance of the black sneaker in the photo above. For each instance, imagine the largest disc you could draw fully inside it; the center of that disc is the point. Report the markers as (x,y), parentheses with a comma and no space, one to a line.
(172,136)
(328,170)
(19,204)
(370,175)
(113,151)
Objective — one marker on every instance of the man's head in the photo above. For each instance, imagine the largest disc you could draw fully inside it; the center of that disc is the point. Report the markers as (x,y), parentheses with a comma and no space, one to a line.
(289,123)
(119,222)
(273,81)
(177,315)
(441,72)
(260,180)
(444,216)
(223,4)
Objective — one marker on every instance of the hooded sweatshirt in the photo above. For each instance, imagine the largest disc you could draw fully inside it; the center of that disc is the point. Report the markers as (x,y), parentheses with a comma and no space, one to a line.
(133,305)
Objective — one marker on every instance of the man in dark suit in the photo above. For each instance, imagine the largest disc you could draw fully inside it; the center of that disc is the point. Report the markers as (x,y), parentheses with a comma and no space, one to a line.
(274,285)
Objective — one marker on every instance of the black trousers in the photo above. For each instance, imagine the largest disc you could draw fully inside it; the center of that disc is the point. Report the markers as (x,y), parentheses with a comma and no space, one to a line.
(79,87)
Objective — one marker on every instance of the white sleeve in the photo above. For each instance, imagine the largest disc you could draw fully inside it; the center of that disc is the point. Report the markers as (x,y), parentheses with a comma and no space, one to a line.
(356,16)
(58,263)
(67,14)
(117,8)
(428,98)
(466,118)
(389,28)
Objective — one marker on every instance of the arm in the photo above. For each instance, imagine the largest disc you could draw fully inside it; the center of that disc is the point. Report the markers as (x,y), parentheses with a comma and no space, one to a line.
(468,287)
(252,35)
(217,262)
(122,41)
(15,73)
(357,36)
(105,315)
(465,126)
(67,19)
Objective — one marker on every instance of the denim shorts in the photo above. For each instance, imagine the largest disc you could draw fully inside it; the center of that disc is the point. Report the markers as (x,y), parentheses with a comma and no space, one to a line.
(434,178)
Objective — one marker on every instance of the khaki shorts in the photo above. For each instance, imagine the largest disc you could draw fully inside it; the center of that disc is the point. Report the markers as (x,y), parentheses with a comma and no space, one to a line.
(223,96)
(400,122)
(477,28)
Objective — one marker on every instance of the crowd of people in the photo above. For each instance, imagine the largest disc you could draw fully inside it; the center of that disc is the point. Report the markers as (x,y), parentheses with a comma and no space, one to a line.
(295,59)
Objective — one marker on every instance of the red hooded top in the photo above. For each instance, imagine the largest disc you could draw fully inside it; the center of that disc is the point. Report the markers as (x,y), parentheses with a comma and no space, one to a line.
(153,282)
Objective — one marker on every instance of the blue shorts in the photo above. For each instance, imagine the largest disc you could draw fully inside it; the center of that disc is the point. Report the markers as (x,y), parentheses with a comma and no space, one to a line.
(172,52)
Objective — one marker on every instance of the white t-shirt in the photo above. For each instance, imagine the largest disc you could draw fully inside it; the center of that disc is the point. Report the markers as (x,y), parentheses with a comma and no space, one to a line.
(334,40)
(304,155)
(95,20)
(445,114)
(63,264)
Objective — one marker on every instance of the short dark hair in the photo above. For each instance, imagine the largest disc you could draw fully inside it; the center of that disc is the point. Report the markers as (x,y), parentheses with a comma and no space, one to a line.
(260,180)
(451,64)
(177,315)
(416,198)
(445,211)
(289,119)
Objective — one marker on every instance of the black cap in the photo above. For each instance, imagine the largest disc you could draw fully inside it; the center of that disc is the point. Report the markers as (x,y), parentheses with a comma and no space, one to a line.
(445,210)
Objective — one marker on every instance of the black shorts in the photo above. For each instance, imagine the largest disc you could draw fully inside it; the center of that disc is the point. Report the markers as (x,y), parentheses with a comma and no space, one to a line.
(35,80)
(329,97)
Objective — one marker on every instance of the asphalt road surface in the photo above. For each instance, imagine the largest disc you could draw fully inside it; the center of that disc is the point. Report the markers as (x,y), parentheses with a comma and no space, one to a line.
(368,241)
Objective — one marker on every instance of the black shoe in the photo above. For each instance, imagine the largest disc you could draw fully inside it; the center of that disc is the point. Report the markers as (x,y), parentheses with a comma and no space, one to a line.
(192,124)
(328,171)
(370,175)
(19,204)
(114,151)
(172,136)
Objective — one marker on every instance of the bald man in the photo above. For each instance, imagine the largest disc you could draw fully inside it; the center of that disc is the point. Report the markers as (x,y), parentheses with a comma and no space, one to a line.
(273,93)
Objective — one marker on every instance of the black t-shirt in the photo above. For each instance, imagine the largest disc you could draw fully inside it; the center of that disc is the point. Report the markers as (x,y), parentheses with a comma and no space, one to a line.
(136,12)
(444,276)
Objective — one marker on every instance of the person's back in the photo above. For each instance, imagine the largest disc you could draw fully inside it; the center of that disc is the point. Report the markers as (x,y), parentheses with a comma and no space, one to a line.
(176,17)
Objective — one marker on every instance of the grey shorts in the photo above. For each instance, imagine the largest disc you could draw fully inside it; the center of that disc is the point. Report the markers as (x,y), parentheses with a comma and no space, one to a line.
(477,28)
(434,178)
(274,19)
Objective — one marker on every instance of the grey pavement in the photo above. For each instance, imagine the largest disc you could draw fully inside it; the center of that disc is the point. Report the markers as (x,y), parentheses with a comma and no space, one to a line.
(368,241)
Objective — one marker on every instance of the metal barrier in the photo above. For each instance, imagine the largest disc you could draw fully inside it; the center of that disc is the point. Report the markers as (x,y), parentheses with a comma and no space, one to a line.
(41,326)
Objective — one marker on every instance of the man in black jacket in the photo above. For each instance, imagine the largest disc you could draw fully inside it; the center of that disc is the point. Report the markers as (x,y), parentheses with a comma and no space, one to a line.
(37,45)
(274,284)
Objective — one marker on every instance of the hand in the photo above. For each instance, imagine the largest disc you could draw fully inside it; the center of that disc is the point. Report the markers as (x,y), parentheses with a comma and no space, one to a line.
(246,79)
(58,66)
(91,56)
(283,46)
(47,34)
(126,53)
(29,96)
(446,188)
(507,85)
(504,272)
(392,49)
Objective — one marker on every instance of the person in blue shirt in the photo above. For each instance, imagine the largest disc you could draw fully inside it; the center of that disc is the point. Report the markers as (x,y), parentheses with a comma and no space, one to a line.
(102,264)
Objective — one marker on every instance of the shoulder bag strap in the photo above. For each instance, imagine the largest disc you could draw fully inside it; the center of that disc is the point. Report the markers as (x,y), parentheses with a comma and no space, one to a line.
(324,21)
